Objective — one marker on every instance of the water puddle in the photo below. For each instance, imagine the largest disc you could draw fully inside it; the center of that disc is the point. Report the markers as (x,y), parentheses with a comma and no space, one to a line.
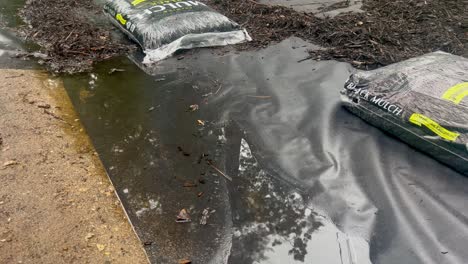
(248,158)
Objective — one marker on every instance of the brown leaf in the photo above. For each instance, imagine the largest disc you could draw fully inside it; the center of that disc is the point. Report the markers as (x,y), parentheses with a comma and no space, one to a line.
(183,216)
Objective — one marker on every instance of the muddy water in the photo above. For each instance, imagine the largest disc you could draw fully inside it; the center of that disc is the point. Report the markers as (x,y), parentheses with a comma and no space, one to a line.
(162,157)
(279,171)
(153,145)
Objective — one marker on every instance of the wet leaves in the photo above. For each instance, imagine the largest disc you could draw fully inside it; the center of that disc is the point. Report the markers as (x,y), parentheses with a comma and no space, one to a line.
(190,184)
(194,107)
(183,216)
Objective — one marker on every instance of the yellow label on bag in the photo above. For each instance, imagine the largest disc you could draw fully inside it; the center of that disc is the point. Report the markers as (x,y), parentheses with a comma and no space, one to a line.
(136,2)
(420,120)
(121,19)
(456,93)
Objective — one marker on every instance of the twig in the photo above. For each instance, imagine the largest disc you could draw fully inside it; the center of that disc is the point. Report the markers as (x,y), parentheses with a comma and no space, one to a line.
(306,58)
(219,171)
(54,115)
(260,96)
(218,89)
(14,76)
(68,36)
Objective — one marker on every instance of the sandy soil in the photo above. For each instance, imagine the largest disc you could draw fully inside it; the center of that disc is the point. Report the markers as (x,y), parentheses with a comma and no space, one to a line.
(56,202)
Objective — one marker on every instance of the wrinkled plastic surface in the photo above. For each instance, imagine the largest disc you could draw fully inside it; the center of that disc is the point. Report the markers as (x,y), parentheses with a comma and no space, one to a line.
(163,27)
(423,101)
(311,182)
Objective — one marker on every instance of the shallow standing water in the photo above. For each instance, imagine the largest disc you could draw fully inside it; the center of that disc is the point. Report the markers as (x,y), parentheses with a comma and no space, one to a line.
(310,182)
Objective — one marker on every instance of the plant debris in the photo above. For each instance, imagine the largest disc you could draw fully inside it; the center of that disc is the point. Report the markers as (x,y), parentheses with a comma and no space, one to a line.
(205,215)
(71,42)
(194,107)
(219,171)
(387,31)
(190,184)
(10,163)
(183,216)
(185,261)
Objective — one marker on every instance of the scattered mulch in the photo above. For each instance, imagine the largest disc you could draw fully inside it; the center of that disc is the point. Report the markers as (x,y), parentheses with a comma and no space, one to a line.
(387,31)
(66,34)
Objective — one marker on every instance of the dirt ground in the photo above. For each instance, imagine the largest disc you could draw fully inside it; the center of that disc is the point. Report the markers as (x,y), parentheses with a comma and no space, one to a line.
(56,202)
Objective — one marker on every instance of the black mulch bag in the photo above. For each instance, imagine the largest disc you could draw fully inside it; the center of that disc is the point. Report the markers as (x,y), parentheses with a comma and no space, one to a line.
(163,27)
(422,101)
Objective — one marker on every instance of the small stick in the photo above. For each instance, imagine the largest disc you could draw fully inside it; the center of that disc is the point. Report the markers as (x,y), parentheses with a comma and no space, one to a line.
(307,58)
(257,3)
(68,35)
(260,96)
(220,172)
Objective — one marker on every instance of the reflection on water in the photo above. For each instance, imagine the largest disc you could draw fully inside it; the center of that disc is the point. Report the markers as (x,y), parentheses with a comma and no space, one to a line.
(158,151)
(273,225)
(267,214)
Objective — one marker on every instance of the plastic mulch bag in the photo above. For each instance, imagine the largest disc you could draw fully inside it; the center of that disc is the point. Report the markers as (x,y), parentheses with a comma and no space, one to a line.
(422,101)
(163,27)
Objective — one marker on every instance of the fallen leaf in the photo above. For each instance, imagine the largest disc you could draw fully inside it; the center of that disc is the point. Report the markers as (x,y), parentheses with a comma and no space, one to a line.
(194,107)
(201,122)
(190,184)
(183,216)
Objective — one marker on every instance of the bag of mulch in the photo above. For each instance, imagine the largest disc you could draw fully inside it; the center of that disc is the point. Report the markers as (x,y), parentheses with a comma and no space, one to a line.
(163,27)
(422,101)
